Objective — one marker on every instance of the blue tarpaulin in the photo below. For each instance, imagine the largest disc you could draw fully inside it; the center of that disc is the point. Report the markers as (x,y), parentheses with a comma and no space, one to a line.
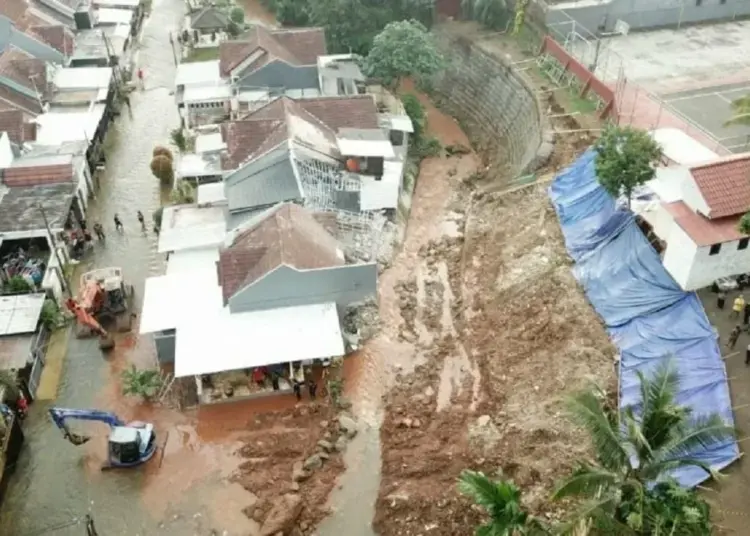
(648,316)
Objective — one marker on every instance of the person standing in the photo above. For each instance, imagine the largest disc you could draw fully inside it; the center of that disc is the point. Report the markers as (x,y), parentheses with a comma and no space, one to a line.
(746,315)
(299,381)
(737,307)
(140,78)
(721,298)
(312,386)
(141,220)
(733,336)
(747,355)
(118,223)
(99,230)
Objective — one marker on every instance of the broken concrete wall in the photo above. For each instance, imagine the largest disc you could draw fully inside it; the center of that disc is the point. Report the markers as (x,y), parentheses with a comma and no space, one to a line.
(496,106)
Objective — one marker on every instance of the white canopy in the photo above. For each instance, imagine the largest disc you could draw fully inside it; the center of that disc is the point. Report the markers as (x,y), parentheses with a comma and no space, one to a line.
(222,341)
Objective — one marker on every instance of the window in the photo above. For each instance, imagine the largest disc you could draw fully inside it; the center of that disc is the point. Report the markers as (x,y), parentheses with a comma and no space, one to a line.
(715,249)
(743,243)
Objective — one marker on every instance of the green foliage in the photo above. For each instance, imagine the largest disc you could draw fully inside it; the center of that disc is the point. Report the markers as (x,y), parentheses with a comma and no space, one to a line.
(520,16)
(626,158)
(403,49)
(51,316)
(667,509)
(635,450)
(744,224)
(233,29)
(237,15)
(292,13)
(493,14)
(178,139)
(427,146)
(17,285)
(416,113)
(144,383)
(740,112)
(502,501)
(9,383)
(162,168)
(183,193)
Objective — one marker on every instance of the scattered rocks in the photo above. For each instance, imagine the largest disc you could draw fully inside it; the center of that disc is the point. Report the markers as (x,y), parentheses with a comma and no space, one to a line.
(298,472)
(348,426)
(313,462)
(324,455)
(294,486)
(340,445)
(283,514)
(327,446)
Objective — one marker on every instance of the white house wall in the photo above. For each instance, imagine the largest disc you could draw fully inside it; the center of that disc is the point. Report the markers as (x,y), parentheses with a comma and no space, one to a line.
(680,255)
(693,198)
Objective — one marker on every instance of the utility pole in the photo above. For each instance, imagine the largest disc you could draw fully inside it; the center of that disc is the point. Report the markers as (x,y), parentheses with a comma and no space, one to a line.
(53,243)
(171,44)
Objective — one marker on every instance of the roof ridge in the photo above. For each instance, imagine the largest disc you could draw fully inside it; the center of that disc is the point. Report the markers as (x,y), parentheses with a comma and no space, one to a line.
(722,160)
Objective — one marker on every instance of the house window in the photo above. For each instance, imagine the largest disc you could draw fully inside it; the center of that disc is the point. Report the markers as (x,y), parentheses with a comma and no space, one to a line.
(715,249)
(743,243)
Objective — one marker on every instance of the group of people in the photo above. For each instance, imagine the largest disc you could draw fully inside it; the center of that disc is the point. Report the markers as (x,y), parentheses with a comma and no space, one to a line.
(299,379)
(120,228)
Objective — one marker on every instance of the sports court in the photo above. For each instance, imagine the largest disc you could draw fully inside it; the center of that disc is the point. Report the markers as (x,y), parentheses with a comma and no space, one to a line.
(709,109)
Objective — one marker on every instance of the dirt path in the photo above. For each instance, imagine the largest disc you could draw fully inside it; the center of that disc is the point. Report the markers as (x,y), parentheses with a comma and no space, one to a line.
(396,350)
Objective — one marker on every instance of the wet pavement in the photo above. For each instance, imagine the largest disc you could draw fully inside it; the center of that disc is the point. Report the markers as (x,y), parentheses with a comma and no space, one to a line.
(56,483)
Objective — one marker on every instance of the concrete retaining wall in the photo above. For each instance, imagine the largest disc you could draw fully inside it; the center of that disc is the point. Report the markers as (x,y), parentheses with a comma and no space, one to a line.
(495,104)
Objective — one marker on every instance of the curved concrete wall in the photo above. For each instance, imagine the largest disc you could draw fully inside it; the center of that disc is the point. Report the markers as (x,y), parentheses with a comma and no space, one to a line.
(496,106)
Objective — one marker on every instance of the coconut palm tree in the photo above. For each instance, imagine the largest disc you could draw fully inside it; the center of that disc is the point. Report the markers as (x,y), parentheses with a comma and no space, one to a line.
(502,501)
(633,450)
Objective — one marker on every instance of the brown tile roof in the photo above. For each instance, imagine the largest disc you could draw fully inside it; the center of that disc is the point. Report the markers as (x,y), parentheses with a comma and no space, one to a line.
(348,111)
(24,69)
(725,185)
(289,235)
(13,9)
(13,100)
(296,47)
(704,231)
(38,175)
(57,36)
(243,138)
(12,122)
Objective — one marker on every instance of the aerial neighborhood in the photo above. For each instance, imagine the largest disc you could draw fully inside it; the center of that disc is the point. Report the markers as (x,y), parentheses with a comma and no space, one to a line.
(330,267)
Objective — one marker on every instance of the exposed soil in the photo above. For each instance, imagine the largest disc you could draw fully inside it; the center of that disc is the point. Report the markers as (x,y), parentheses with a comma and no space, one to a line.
(504,333)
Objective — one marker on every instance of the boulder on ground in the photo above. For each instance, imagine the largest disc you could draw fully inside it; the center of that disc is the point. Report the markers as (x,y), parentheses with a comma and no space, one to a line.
(283,515)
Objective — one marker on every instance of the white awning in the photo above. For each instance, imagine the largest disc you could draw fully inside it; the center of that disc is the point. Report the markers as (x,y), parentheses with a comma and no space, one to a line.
(351,147)
(198,72)
(225,341)
(189,226)
(401,123)
(383,193)
(206,143)
(170,300)
(211,192)
(682,148)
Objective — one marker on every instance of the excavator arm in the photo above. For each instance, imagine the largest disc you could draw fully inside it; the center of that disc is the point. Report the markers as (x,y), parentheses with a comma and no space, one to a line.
(84,317)
(61,415)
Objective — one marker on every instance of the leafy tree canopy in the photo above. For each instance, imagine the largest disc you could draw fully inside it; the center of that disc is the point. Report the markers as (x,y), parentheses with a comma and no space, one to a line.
(403,49)
(626,158)
(744,225)
(237,15)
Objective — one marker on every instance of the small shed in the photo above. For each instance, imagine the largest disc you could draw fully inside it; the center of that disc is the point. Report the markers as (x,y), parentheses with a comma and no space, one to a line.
(209,19)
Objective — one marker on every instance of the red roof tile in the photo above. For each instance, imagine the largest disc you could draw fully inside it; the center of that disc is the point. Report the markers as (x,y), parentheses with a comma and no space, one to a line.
(243,138)
(38,175)
(58,37)
(725,185)
(348,111)
(13,9)
(296,47)
(11,121)
(289,235)
(13,100)
(704,231)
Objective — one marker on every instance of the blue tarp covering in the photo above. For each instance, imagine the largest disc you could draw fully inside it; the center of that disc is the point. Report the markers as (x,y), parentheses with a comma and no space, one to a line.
(648,316)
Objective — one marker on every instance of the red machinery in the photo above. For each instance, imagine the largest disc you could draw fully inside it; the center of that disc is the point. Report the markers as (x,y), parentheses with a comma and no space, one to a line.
(103,299)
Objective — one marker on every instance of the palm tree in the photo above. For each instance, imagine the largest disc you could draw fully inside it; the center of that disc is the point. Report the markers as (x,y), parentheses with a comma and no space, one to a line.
(740,112)
(144,383)
(633,451)
(182,193)
(502,501)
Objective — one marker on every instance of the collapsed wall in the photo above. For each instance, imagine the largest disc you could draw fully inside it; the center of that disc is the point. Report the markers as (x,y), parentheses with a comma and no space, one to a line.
(497,106)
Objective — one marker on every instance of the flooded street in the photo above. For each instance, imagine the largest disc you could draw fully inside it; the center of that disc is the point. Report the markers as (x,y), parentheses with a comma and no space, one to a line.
(56,483)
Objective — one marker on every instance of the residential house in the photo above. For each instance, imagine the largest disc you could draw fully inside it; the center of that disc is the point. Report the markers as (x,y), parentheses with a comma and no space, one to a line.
(283,283)
(204,165)
(268,63)
(694,214)
(51,43)
(23,82)
(340,75)
(209,20)
(81,86)
(202,96)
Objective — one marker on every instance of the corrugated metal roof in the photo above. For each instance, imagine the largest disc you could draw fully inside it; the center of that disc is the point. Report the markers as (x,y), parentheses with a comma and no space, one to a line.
(268,180)
(277,336)
(20,313)
(190,226)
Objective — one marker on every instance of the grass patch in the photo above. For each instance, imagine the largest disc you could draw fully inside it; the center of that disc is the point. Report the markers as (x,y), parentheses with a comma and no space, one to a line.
(202,54)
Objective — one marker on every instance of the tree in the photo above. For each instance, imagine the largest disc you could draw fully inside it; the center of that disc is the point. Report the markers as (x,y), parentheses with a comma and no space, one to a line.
(162,168)
(494,14)
(416,113)
(157,217)
(633,451)
(740,112)
(183,193)
(144,383)
(179,139)
(744,225)
(292,13)
(625,160)
(233,29)
(502,501)
(237,15)
(403,49)
(160,150)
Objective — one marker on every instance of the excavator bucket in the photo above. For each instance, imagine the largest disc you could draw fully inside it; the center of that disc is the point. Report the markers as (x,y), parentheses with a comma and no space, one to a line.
(106,342)
(77,439)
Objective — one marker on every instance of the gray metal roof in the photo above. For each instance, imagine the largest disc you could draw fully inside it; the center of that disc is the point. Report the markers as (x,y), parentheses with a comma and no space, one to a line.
(19,207)
(10,36)
(267,180)
(235,219)
(278,74)
(15,351)
(209,18)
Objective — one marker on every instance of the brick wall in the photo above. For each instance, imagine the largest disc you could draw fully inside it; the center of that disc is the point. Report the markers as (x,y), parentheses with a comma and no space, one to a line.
(495,105)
